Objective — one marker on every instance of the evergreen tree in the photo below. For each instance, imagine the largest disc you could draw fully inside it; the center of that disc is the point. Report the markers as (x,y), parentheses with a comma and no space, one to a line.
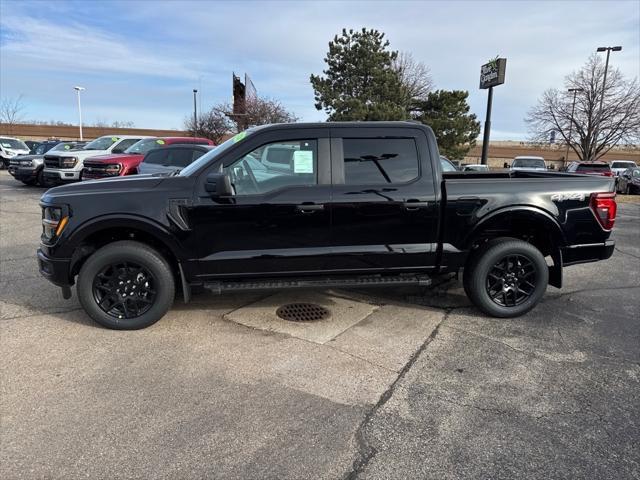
(360,82)
(447,113)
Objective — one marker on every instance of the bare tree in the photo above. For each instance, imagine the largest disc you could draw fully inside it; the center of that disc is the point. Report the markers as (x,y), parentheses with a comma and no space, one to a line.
(593,134)
(262,111)
(123,124)
(213,124)
(11,111)
(415,77)
(221,121)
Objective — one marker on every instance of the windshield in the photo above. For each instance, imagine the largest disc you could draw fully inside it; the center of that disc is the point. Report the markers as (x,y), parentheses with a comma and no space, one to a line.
(528,163)
(13,143)
(102,143)
(623,164)
(447,166)
(223,147)
(143,146)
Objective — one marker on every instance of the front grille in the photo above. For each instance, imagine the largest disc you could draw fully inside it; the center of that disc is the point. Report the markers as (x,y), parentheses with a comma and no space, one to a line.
(51,161)
(56,162)
(97,170)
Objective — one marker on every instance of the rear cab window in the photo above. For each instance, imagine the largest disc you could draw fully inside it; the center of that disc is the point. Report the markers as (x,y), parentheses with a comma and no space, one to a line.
(380,161)
(592,167)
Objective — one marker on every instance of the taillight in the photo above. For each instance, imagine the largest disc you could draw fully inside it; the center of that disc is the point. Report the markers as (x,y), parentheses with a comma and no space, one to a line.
(605,208)
(608,174)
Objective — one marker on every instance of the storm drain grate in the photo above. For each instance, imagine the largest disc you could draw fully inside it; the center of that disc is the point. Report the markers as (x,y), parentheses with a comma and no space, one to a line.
(302,312)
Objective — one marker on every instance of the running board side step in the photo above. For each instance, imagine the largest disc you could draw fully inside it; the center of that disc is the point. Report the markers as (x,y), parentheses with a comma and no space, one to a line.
(276,284)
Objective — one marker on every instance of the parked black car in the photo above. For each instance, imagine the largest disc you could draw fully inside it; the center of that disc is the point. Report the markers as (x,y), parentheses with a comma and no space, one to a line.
(33,145)
(29,168)
(171,159)
(319,205)
(629,181)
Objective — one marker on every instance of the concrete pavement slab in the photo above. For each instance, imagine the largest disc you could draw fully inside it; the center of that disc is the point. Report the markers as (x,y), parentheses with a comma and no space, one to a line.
(344,313)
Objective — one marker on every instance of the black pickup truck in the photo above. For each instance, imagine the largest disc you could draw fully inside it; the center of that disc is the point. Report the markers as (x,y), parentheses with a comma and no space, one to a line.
(320,205)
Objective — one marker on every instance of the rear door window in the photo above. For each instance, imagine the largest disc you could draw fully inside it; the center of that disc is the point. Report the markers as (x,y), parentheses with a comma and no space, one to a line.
(179,157)
(380,161)
(157,157)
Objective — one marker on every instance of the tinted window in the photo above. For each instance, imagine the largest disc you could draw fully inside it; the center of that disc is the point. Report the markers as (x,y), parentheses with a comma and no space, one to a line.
(586,167)
(275,165)
(156,157)
(622,164)
(124,144)
(528,163)
(180,157)
(376,161)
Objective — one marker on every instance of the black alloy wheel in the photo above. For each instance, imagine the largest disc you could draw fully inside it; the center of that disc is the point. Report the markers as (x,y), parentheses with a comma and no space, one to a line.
(124,290)
(511,281)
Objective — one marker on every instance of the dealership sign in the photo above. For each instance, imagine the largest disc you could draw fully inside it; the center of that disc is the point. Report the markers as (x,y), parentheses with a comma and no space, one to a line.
(492,73)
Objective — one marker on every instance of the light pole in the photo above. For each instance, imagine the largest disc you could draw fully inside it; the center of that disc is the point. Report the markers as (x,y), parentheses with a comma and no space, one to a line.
(195,113)
(573,107)
(78,90)
(604,83)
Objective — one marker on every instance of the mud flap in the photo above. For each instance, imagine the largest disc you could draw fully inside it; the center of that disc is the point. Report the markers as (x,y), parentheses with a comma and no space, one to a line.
(555,271)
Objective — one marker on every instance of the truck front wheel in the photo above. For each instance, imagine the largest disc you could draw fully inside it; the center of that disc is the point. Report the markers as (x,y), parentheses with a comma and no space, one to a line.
(507,279)
(126,285)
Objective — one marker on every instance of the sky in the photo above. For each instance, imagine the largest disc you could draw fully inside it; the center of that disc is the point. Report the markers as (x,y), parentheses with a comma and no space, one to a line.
(140,60)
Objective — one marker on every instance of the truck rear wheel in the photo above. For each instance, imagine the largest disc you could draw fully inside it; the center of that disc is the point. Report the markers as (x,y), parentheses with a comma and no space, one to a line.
(126,285)
(507,278)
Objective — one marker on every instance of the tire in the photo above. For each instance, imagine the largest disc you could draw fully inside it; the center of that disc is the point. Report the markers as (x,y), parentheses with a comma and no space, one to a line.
(40,178)
(473,260)
(110,277)
(29,182)
(521,265)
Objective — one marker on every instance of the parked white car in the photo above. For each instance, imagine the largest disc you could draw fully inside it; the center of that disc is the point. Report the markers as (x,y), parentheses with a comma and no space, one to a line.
(619,166)
(9,148)
(64,167)
(475,167)
(528,163)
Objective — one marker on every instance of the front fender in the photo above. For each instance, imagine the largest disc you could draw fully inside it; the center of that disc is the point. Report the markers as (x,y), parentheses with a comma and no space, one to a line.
(78,235)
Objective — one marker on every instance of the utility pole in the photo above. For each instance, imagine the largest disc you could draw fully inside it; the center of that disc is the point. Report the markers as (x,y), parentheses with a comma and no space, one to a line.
(573,107)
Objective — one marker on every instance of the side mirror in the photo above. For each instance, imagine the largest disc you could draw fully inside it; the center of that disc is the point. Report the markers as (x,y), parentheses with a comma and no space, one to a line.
(218,185)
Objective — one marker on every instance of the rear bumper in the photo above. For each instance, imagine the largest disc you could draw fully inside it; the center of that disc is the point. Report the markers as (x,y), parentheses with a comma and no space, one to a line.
(591,252)
(55,270)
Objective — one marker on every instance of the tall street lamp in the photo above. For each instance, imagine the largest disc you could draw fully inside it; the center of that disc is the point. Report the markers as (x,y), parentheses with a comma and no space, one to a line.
(573,107)
(78,90)
(604,83)
(195,113)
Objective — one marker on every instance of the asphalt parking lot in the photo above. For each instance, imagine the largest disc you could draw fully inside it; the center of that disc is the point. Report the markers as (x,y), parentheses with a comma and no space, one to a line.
(416,384)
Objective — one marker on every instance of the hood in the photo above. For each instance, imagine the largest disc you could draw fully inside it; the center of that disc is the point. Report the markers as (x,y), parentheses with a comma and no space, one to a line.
(116,158)
(115,185)
(30,157)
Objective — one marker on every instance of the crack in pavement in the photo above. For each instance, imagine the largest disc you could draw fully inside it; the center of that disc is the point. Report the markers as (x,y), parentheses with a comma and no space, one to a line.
(367,452)
(627,253)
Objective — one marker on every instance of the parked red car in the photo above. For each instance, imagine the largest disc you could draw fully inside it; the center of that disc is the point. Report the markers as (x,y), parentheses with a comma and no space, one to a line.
(591,168)
(120,164)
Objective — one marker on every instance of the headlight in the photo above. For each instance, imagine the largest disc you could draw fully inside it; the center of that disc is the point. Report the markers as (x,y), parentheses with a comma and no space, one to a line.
(112,168)
(26,163)
(69,162)
(54,220)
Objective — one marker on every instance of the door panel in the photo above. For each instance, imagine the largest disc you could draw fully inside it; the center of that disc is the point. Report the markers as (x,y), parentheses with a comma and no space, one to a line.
(271,226)
(383,209)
